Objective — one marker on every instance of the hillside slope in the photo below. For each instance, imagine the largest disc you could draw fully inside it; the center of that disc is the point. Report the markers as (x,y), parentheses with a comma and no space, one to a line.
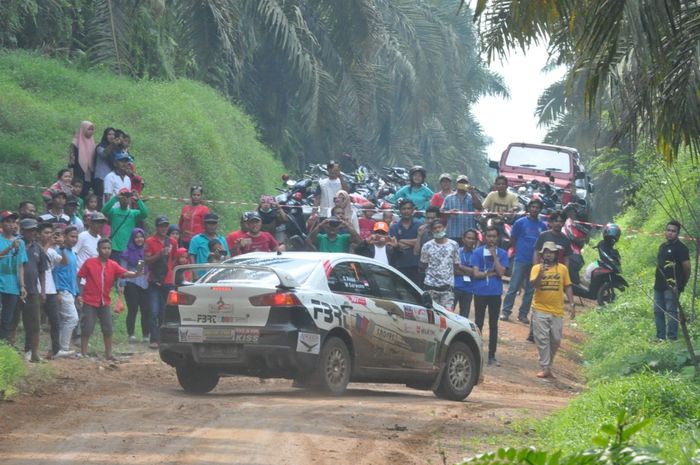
(182,133)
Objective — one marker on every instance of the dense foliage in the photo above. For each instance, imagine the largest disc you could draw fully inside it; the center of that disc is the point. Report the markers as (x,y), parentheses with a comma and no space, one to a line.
(182,133)
(12,369)
(388,81)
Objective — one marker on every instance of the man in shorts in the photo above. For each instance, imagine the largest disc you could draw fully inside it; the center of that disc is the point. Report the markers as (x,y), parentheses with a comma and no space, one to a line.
(99,274)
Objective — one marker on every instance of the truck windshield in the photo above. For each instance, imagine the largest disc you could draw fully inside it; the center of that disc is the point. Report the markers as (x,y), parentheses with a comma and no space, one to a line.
(537,158)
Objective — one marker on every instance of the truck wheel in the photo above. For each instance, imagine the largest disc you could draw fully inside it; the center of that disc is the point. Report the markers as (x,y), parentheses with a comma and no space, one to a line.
(606,294)
(196,380)
(334,368)
(460,373)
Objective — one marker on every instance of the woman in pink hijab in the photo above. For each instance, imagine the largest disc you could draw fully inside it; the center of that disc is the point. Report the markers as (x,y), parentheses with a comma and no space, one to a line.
(81,158)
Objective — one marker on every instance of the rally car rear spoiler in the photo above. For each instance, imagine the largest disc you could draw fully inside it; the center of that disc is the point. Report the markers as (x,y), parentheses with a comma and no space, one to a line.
(286,280)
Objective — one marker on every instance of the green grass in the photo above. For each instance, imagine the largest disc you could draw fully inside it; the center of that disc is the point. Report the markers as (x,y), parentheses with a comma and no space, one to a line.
(12,370)
(182,133)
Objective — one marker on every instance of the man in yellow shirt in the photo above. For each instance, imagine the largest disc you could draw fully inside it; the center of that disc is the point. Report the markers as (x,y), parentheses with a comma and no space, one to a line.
(500,200)
(551,281)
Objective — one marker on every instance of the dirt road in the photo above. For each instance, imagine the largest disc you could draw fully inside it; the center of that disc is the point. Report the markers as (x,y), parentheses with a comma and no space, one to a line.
(134,412)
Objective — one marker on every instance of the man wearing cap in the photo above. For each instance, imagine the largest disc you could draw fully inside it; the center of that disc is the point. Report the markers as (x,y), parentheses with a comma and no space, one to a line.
(459,208)
(333,240)
(445,189)
(29,308)
(199,246)
(159,256)
(379,245)
(70,210)
(192,216)
(86,247)
(254,239)
(122,218)
(118,179)
(551,281)
(13,256)
(524,235)
(55,213)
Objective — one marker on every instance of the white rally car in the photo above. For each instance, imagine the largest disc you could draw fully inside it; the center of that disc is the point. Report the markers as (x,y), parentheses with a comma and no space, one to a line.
(322,319)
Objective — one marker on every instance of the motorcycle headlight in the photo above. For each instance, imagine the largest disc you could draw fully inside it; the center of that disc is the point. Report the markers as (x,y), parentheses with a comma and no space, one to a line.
(581,193)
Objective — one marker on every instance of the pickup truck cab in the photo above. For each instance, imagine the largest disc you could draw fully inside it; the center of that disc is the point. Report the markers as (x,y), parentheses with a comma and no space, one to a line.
(522,162)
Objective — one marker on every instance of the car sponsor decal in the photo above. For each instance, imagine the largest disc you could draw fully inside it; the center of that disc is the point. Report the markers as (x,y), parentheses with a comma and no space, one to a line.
(309,343)
(421,314)
(233,319)
(186,334)
(357,299)
(408,312)
(325,311)
(363,324)
(425,331)
(221,307)
(238,335)
(389,336)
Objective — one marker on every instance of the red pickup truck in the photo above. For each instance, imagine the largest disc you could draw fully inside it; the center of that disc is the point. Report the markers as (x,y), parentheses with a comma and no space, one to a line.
(522,162)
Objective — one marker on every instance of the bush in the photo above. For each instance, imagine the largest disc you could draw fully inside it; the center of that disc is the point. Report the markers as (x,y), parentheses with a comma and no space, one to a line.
(12,370)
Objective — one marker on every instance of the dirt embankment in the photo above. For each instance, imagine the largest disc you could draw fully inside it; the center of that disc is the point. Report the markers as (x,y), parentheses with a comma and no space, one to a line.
(134,412)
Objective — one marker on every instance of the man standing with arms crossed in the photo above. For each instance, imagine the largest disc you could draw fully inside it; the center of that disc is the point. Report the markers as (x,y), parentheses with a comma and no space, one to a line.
(550,280)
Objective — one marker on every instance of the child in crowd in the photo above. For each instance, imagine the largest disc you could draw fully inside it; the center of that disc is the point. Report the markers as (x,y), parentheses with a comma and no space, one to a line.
(77,191)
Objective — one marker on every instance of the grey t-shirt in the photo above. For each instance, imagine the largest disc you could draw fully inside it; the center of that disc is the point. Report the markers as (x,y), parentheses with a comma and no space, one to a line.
(440,260)
(37,263)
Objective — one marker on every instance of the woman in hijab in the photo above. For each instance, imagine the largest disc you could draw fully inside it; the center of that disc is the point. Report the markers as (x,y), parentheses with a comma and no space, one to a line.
(135,289)
(81,157)
(102,159)
(342,200)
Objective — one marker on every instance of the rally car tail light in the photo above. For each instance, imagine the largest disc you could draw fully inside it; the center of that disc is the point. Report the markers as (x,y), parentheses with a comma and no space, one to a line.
(275,299)
(180,298)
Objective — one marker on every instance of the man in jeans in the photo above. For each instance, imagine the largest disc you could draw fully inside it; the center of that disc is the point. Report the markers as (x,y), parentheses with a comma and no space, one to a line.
(159,256)
(13,256)
(672,274)
(524,235)
(65,278)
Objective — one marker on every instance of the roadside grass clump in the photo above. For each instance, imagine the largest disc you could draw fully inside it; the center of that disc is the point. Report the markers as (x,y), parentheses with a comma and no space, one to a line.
(669,402)
(12,369)
(182,133)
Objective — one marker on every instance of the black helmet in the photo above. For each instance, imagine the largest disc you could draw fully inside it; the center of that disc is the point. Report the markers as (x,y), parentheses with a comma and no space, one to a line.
(417,169)
(612,230)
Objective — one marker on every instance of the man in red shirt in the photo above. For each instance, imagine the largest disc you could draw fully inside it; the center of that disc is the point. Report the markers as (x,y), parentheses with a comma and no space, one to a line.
(255,240)
(192,217)
(160,255)
(445,189)
(233,236)
(99,274)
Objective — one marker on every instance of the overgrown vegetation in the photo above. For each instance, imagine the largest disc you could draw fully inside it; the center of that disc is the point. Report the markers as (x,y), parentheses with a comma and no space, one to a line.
(182,133)
(12,370)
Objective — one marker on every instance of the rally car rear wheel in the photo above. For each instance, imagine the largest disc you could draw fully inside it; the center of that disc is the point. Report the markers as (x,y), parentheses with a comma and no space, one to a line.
(196,380)
(459,374)
(335,365)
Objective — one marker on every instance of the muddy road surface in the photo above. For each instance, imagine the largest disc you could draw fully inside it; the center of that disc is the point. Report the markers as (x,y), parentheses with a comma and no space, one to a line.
(134,412)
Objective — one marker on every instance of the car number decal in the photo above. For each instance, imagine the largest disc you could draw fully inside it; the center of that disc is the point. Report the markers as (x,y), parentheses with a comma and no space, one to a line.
(327,311)
(309,343)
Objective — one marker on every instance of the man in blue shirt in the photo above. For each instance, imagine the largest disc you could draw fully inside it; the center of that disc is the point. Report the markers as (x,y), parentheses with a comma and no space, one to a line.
(464,288)
(13,256)
(199,246)
(524,235)
(65,278)
(405,231)
(489,264)
(456,207)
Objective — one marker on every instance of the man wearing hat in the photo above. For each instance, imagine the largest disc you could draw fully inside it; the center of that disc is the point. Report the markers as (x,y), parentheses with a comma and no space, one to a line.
(55,213)
(460,207)
(159,256)
(199,246)
(86,246)
(379,245)
(70,210)
(445,189)
(13,256)
(118,179)
(551,281)
(29,308)
(254,239)
(122,218)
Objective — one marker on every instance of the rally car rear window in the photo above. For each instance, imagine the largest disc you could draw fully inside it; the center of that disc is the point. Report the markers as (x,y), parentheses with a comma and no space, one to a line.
(296,268)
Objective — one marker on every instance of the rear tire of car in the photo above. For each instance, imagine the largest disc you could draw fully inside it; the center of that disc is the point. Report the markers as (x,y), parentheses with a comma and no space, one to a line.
(460,373)
(196,380)
(334,368)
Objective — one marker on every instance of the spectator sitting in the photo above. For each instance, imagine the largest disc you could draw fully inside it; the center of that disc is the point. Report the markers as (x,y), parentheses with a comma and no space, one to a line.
(192,216)
(379,245)
(71,210)
(81,157)
(64,178)
(55,213)
(118,179)
(255,240)
(123,219)
(102,160)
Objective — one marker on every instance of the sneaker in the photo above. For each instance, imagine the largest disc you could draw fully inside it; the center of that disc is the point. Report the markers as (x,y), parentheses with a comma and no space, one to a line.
(132,339)
(524,319)
(147,338)
(504,317)
(64,353)
(493,362)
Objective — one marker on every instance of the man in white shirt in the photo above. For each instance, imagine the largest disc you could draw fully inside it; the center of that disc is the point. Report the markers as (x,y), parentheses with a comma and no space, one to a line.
(117,179)
(86,247)
(327,188)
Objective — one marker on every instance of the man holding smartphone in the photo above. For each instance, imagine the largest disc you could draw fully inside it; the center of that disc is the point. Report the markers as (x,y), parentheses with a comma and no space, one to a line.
(551,281)
(159,256)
